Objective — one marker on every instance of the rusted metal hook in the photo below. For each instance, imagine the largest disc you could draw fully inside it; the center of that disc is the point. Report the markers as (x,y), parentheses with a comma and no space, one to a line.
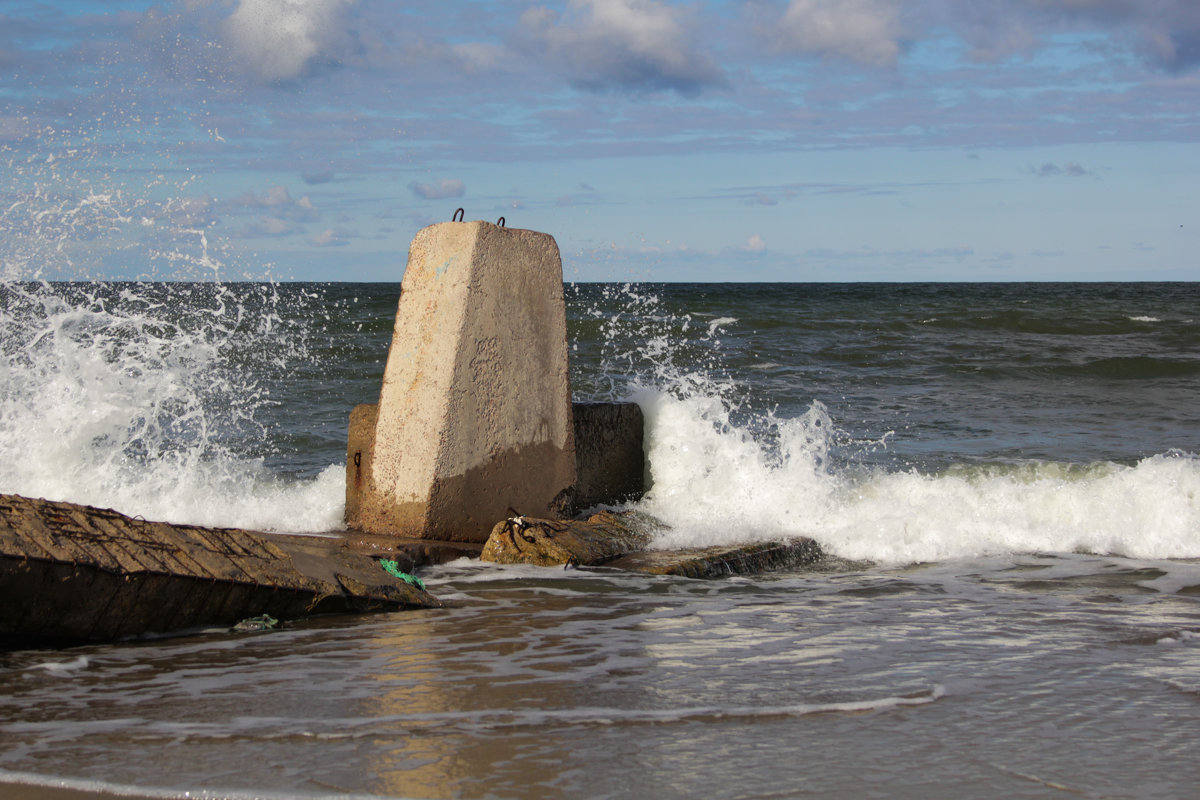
(459,215)
(500,222)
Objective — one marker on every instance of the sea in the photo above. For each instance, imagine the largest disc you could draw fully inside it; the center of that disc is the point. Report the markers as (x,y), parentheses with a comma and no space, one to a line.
(1005,479)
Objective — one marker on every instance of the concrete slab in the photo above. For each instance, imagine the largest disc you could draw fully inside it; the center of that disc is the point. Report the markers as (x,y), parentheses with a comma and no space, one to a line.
(723,561)
(70,572)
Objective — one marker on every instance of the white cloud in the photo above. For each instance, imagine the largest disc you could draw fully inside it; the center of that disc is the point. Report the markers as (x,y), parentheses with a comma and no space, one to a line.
(867,31)
(755,244)
(278,200)
(480,56)
(875,32)
(624,44)
(441,190)
(1164,32)
(330,237)
(1070,170)
(279,40)
(268,226)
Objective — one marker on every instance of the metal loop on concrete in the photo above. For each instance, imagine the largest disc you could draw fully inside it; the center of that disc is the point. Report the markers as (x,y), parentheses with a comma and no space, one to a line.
(459,214)
(500,222)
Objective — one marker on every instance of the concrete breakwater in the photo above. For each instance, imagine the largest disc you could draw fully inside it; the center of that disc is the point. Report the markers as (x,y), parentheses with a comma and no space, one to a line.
(474,436)
(474,422)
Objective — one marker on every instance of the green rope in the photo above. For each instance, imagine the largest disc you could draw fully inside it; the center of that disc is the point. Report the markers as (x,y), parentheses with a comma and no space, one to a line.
(392,568)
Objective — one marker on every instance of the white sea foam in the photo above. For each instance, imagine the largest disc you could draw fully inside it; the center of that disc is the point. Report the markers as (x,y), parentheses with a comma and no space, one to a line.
(107,789)
(122,403)
(64,668)
(715,482)
(718,323)
(723,473)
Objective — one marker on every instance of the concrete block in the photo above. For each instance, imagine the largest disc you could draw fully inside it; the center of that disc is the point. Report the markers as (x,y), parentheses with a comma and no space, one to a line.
(474,415)
(610,461)
(360,451)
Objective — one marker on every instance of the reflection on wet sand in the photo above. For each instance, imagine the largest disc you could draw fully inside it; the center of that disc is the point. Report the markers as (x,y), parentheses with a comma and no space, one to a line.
(473,701)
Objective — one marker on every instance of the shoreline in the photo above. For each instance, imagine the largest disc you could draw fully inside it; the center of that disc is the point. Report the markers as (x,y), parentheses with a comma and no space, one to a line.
(36,787)
(31,786)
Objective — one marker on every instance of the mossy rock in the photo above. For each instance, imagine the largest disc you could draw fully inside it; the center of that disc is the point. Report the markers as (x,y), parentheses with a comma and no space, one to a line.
(547,543)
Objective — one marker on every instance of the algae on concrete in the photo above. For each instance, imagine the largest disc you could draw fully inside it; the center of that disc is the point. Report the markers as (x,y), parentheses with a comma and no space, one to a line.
(543,542)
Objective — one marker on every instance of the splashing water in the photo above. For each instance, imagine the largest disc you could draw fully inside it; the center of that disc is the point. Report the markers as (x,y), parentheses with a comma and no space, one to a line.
(725,468)
(175,401)
(153,398)
(149,398)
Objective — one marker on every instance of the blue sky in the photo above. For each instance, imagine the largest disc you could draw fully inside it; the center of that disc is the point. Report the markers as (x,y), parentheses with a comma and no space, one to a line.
(792,140)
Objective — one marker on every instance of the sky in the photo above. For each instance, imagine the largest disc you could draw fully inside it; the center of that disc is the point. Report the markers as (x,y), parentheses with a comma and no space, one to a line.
(761,140)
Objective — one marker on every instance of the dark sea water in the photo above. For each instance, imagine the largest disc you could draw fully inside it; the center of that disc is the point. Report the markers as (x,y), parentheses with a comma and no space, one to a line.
(1004,475)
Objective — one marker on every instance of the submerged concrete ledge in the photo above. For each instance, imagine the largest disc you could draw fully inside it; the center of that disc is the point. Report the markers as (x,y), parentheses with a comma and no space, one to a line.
(72,573)
(720,562)
(619,541)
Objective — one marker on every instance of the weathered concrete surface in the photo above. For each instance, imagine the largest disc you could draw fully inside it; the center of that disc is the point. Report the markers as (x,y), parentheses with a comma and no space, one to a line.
(474,415)
(409,554)
(610,461)
(547,543)
(360,454)
(70,572)
(719,562)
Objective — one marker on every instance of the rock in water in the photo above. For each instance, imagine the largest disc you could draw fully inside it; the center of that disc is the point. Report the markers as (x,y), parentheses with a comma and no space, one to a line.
(545,542)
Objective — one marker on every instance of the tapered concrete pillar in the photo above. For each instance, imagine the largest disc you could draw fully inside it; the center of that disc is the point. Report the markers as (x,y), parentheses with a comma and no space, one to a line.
(474,416)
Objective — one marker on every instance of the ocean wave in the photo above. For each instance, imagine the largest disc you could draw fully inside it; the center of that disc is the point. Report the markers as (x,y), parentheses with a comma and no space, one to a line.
(716,482)
(152,399)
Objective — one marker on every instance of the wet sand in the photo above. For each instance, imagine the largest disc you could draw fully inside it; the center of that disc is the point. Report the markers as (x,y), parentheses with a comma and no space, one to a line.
(25,791)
